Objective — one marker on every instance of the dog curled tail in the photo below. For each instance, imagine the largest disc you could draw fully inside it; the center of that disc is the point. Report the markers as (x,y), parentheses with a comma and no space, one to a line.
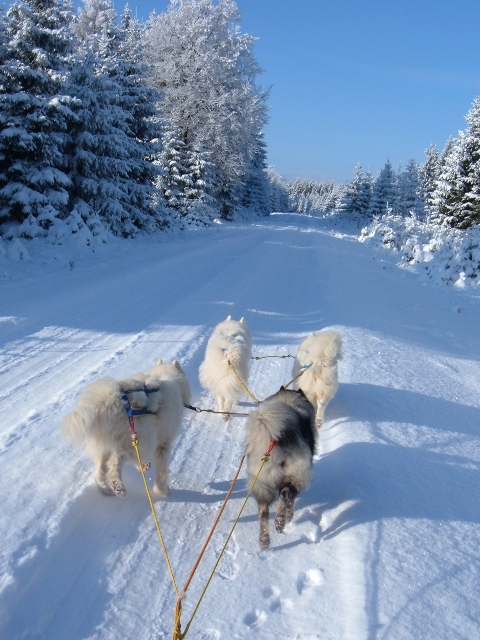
(94,404)
(227,355)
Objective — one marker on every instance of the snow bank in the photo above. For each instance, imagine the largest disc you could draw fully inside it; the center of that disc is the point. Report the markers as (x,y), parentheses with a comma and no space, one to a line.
(437,253)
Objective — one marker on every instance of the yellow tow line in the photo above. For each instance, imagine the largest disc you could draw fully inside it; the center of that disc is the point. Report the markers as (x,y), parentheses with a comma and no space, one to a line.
(177,633)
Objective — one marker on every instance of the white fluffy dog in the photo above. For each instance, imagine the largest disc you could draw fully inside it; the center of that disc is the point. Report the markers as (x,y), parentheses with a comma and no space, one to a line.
(317,357)
(230,342)
(100,422)
(287,419)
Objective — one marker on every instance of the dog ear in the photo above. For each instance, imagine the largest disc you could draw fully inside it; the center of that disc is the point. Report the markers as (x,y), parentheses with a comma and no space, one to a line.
(242,320)
(229,317)
(177,365)
(160,361)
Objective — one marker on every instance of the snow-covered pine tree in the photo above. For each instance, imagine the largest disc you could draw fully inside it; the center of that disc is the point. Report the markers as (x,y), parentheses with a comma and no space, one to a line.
(409,196)
(321,198)
(383,192)
(460,205)
(297,196)
(445,185)
(112,153)
(199,204)
(35,114)
(256,191)
(447,150)
(278,190)
(207,71)
(366,191)
(429,174)
(172,162)
(142,102)
(5,88)
(93,18)
(356,196)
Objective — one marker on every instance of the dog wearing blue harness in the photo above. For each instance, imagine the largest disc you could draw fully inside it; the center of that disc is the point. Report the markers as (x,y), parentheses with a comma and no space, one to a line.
(100,422)
(316,369)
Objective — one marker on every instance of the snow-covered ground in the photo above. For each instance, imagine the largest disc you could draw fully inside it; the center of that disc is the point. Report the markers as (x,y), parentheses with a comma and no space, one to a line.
(384,544)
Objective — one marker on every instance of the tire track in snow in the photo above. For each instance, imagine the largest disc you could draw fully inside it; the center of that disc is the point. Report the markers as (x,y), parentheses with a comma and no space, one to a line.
(126,565)
(40,369)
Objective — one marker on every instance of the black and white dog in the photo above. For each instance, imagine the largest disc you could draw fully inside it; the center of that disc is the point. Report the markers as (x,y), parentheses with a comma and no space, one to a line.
(287,419)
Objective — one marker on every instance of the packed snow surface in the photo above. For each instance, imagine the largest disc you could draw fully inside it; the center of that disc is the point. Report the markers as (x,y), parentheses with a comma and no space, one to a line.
(385,543)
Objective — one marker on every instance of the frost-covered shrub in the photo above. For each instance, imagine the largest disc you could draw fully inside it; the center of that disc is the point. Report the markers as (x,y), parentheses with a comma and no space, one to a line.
(439,253)
(199,214)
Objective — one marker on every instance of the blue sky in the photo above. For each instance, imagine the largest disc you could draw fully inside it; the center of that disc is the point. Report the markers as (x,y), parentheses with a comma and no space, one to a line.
(359,82)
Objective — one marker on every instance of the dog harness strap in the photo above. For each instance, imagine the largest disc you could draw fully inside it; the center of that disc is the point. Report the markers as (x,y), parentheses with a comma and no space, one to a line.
(270,447)
(126,404)
(136,412)
(144,389)
(266,455)
(132,426)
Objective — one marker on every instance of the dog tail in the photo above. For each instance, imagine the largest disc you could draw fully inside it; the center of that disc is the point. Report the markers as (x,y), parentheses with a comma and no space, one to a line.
(95,401)
(273,420)
(333,346)
(76,425)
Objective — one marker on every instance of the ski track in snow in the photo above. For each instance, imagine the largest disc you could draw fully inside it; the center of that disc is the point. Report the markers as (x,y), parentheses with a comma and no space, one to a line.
(384,543)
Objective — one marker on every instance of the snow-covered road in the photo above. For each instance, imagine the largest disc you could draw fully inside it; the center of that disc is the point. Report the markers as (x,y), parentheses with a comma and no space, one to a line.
(385,542)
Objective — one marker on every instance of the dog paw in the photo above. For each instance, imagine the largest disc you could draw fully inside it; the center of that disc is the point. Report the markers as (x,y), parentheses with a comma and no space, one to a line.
(118,488)
(161,492)
(264,541)
(280,524)
(105,489)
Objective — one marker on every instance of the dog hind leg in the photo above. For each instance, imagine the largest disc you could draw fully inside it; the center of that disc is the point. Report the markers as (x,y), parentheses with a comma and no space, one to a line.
(319,414)
(264,538)
(100,474)
(224,405)
(286,503)
(114,473)
(162,454)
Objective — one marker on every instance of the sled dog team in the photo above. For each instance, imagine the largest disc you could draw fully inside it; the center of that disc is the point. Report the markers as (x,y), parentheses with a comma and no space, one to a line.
(289,418)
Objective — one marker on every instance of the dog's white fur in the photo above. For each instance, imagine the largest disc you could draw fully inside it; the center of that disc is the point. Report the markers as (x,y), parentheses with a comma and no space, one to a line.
(288,419)
(100,423)
(230,342)
(317,357)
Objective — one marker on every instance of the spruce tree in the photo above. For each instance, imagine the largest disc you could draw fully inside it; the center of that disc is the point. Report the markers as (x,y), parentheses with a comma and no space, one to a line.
(35,114)
(383,192)
(174,172)
(356,197)
(255,191)
(278,191)
(429,174)
(112,142)
(456,199)
(408,196)
(444,192)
